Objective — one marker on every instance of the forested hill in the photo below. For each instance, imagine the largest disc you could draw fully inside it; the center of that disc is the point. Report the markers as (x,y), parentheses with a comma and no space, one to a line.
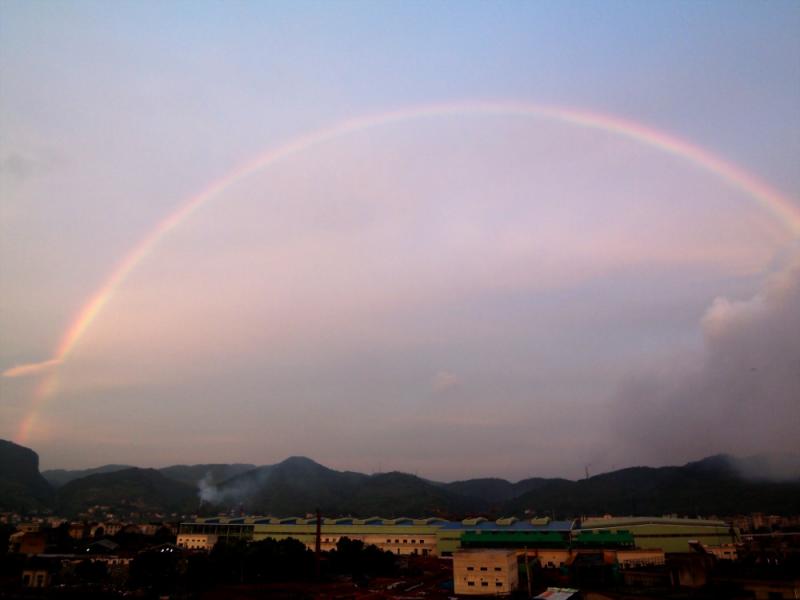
(712,486)
(718,485)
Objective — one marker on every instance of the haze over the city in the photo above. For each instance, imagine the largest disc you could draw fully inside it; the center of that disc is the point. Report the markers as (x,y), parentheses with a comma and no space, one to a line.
(452,239)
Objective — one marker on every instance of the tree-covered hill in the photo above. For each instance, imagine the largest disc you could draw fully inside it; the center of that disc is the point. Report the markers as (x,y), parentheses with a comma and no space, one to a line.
(211,473)
(59,477)
(495,491)
(22,488)
(299,485)
(715,485)
(718,485)
(136,489)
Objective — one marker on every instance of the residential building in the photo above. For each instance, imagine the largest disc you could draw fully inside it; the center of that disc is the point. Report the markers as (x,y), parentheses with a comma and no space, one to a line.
(485,572)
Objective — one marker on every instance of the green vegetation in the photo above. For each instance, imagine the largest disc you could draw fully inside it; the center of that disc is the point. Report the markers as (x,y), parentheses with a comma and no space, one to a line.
(131,489)
(163,570)
(710,486)
(59,477)
(212,473)
(496,491)
(299,485)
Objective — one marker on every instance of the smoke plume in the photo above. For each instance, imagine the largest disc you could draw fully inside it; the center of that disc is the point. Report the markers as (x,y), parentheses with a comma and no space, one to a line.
(741,397)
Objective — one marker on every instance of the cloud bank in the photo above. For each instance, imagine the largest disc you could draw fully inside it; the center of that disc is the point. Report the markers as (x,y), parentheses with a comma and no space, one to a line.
(742,396)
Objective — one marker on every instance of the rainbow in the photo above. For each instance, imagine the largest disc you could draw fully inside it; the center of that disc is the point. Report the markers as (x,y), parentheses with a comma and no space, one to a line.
(769,198)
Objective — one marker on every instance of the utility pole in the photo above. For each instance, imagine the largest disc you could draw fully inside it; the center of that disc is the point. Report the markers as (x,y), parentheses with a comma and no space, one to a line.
(318,545)
(528,573)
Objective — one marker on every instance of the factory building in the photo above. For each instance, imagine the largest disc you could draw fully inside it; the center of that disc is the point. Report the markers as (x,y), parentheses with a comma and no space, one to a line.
(667,534)
(439,537)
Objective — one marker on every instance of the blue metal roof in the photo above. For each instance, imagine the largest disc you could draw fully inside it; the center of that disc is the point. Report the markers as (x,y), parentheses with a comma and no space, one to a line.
(564,526)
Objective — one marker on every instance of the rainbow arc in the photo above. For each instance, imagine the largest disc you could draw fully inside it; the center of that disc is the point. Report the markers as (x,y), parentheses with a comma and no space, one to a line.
(765,195)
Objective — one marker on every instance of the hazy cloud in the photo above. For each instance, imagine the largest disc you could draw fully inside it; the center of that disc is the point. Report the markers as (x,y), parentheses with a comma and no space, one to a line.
(31,368)
(741,396)
(774,467)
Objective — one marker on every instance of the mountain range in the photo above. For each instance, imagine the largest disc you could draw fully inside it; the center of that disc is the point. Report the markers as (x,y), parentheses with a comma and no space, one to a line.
(719,485)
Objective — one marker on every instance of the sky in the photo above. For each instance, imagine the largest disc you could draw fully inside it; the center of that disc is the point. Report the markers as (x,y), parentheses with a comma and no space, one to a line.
(456,239)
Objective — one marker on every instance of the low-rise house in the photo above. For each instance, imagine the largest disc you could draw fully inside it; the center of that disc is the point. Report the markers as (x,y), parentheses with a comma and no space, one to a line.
(112,527)
(197,541)
(30,543)
(29,526)
(78,531)
(131,528)
(40,572)
(149,528)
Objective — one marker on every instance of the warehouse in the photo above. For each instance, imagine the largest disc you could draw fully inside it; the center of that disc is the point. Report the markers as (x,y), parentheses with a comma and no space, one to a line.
(439,537)
(667,534)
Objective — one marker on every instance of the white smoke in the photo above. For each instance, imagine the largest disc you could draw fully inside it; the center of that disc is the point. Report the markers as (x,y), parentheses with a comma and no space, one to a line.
(234,490)
(741,397)
(207,490)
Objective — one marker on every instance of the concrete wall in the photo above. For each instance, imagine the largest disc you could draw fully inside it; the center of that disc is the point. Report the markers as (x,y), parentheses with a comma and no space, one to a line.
(485,572)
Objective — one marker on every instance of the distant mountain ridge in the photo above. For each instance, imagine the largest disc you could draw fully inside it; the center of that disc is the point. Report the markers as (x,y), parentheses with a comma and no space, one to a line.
(713,485)
(59,477)
(497,491)
(299,485)
(137,489)
(212,473)
(716,485)
(192,474)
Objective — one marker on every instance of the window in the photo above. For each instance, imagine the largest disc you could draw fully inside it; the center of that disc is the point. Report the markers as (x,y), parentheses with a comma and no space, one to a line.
(484,584)
(498,569)
(484,568)
(471,583)
(470,568)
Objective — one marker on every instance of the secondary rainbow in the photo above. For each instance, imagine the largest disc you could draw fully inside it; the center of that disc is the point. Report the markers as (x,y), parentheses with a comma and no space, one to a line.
(769,198)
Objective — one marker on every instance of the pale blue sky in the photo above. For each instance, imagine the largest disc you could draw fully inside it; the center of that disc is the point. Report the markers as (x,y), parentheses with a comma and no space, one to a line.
(461,279)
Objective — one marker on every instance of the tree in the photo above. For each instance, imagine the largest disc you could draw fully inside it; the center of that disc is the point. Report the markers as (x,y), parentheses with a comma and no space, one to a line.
(91,571)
